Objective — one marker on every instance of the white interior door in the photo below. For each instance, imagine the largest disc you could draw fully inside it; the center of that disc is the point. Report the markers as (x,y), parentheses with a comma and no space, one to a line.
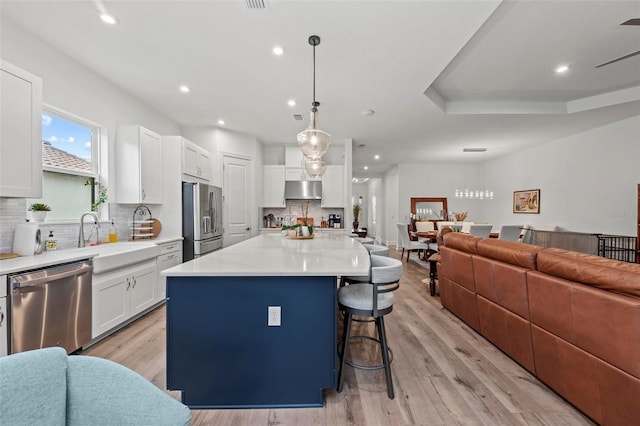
(236,191)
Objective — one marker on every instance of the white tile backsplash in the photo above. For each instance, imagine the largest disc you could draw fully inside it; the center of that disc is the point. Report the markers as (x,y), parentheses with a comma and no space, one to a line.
(294,207)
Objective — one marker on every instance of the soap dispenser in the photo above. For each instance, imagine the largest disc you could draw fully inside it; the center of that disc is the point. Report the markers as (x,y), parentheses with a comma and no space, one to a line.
(113,233)
(52,243)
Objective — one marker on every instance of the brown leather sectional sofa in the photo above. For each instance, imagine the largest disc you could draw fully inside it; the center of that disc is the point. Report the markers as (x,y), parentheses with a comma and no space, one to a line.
(571,319)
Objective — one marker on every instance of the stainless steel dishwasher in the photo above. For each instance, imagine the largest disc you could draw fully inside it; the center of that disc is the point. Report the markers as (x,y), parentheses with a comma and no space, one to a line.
(51,307)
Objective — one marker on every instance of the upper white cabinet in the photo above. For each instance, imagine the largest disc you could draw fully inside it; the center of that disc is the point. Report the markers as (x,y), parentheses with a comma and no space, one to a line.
(293,157)
(138,166)
(333,187)
(274,177)
(196,161)
(20,133)
(294,162)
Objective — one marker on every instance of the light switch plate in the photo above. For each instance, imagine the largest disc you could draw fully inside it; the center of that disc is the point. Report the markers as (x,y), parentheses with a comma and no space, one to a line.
(274,316)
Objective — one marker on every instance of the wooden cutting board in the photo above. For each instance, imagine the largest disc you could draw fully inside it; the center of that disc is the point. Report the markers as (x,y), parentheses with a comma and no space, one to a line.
(301,221)
(4,256)
(156,227)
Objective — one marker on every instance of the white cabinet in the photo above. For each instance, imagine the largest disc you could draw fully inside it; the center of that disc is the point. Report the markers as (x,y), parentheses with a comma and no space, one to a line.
(293,157)
(273,180)
(196,161)
(170,255)
(20,133)
(3,316)
(294,162)
(121,294)
(333,187)
(138,166)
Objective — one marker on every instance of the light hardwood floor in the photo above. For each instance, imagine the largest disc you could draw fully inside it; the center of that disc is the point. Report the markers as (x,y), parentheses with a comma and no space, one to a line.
(444,373)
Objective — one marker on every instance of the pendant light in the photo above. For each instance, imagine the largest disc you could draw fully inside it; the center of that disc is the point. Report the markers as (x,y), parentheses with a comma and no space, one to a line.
(314,167)
(314,142)
(473,194)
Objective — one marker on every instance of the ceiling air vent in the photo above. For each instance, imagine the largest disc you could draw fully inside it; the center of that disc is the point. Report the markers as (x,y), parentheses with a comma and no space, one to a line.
(297,117)
(255,4)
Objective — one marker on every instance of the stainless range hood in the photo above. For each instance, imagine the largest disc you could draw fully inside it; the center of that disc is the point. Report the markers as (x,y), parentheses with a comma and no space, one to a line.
(303,190)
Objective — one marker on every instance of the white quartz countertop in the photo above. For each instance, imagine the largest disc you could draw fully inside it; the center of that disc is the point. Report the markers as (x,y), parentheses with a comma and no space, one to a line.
(271,254)
(56,257)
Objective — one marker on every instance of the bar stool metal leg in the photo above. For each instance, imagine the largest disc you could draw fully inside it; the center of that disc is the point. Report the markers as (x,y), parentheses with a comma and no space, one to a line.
(385,355)
(346,331)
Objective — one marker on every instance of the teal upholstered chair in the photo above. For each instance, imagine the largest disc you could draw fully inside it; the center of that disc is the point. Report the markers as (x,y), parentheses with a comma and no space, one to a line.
(47,387)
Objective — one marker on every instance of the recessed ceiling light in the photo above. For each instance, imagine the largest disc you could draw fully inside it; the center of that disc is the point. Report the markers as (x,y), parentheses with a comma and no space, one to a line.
(278,50)
(562,69)
(291,102)
(368,112)
(221,122)
(366,167)
(108,18)
(376,157)
(185,89)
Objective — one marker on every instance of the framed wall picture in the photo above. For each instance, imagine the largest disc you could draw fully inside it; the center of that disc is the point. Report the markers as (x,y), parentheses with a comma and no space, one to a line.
(526,201)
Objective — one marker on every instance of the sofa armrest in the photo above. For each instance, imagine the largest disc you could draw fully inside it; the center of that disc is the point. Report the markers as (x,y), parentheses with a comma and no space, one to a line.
(101,392)
(32,387)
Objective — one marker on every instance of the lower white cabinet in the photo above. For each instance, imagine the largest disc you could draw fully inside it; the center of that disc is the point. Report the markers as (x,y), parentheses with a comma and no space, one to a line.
(118,295)
(170,255)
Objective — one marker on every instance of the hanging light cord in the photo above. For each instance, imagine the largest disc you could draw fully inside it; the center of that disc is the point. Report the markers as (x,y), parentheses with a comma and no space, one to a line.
(314,40)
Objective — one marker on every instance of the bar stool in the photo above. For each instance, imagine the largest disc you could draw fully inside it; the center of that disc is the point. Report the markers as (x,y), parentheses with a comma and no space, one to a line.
(377,250)
(374,300)
(373,249)
(363,240)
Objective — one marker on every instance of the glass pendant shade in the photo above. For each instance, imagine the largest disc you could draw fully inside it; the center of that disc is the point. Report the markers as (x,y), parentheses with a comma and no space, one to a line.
(315,167)
(313,142)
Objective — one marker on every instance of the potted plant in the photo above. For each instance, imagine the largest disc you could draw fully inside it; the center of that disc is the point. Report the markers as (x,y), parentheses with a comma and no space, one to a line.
(39,211)
(356,216)
(100,194)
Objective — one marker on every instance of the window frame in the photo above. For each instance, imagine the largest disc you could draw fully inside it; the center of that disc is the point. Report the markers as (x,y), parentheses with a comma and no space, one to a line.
(98,137)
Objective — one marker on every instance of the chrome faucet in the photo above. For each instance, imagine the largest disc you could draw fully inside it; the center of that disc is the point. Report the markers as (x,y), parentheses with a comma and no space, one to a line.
(81,241)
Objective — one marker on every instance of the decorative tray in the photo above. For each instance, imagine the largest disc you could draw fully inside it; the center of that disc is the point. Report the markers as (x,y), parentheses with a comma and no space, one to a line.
(304,237)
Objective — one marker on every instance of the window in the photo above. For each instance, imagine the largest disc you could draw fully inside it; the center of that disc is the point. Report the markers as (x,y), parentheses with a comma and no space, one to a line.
(70,165)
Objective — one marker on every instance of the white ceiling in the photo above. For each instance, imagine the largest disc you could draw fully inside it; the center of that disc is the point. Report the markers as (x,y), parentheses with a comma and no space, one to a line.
(440,75)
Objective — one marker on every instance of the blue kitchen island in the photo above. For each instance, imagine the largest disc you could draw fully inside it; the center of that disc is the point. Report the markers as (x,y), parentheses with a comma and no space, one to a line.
(224,347)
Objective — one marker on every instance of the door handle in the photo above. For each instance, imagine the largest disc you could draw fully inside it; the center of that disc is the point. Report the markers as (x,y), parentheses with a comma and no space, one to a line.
(1,317)
(248,228)
(128,284)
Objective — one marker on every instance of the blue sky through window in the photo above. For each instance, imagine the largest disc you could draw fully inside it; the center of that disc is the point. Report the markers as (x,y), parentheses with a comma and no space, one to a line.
(67,135)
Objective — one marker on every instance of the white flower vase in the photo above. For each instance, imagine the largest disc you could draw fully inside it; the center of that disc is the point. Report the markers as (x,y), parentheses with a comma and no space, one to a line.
(305,231)
(38,215)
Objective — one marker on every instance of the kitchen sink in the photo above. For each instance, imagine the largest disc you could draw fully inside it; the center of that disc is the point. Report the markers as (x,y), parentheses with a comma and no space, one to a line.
(117,255)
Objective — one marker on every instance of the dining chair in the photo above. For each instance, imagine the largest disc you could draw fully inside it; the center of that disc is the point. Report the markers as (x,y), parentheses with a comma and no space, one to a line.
(406,244)
(510,232)
(466,226)
(443,224)
(424,226)
(482,231)
(373,300)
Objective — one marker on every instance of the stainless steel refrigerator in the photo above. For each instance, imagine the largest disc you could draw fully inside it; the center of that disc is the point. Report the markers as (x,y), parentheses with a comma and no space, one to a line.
(201,219)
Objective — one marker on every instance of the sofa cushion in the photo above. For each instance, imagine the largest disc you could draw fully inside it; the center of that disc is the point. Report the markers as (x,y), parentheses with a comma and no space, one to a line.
(502,283)
(596,271)
(523,255)
(463,242)
(458,267)
(568,370)
(101,392)
(32,387)
(508,331)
